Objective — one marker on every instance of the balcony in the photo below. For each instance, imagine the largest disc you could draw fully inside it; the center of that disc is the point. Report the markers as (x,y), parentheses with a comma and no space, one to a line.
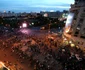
(83,36)
(83,14)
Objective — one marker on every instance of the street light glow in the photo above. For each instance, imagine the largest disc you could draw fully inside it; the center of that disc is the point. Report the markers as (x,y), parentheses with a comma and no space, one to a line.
(72,45)
(69,19)
(67,31)
(32,23)
(69,22)
(24,25)
(3,65)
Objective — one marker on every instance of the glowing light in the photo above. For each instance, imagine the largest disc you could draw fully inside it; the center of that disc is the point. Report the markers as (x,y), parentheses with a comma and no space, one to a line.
(24,25)
(25,31)
(72,45)
(66,42)
(67,31)
(45,15)
(20,26)
(77,47)
(69,22)
(63,50)
(2,65)
(32,23)
(65,39)
(78,28)
(70,42)
(69,19)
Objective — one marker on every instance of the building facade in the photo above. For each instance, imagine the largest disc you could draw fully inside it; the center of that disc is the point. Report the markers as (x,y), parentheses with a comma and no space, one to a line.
(75,26)
(56,14)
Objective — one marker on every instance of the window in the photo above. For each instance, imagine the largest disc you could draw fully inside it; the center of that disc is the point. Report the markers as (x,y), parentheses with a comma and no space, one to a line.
(79,25)
(83,37)
(84,29)
(81,20)
(84,10)
(83,33)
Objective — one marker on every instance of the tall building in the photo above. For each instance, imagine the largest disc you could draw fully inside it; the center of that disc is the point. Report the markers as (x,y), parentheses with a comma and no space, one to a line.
(56,14)
(75,25)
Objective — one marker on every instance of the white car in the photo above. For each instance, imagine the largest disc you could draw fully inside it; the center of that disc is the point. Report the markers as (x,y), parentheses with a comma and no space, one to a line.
(3,67)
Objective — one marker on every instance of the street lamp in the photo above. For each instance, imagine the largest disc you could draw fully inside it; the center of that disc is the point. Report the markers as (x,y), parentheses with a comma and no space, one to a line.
(24,25)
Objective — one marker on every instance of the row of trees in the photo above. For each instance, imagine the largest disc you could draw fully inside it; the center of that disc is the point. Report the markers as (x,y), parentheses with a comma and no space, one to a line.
(38,21)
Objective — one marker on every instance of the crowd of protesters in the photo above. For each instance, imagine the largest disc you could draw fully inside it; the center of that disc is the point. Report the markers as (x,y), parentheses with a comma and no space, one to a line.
(47,53)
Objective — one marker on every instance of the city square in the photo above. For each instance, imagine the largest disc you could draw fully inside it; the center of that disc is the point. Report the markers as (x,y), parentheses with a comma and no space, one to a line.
(47,40)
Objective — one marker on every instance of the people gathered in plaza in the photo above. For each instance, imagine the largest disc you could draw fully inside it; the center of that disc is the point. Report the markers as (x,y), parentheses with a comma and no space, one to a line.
(46,53)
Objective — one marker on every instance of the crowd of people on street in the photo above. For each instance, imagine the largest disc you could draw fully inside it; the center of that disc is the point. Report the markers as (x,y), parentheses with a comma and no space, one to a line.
(46,53)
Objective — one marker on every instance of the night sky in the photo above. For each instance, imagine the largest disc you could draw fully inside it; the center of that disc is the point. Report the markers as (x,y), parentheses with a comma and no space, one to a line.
(34,5)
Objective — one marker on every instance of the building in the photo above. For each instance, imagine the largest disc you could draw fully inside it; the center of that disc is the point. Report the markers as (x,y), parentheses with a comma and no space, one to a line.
(10,14)
(7,14)
(75,25)
(52,14)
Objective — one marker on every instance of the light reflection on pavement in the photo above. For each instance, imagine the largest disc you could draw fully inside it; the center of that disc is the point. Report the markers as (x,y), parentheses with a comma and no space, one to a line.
(25,31)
